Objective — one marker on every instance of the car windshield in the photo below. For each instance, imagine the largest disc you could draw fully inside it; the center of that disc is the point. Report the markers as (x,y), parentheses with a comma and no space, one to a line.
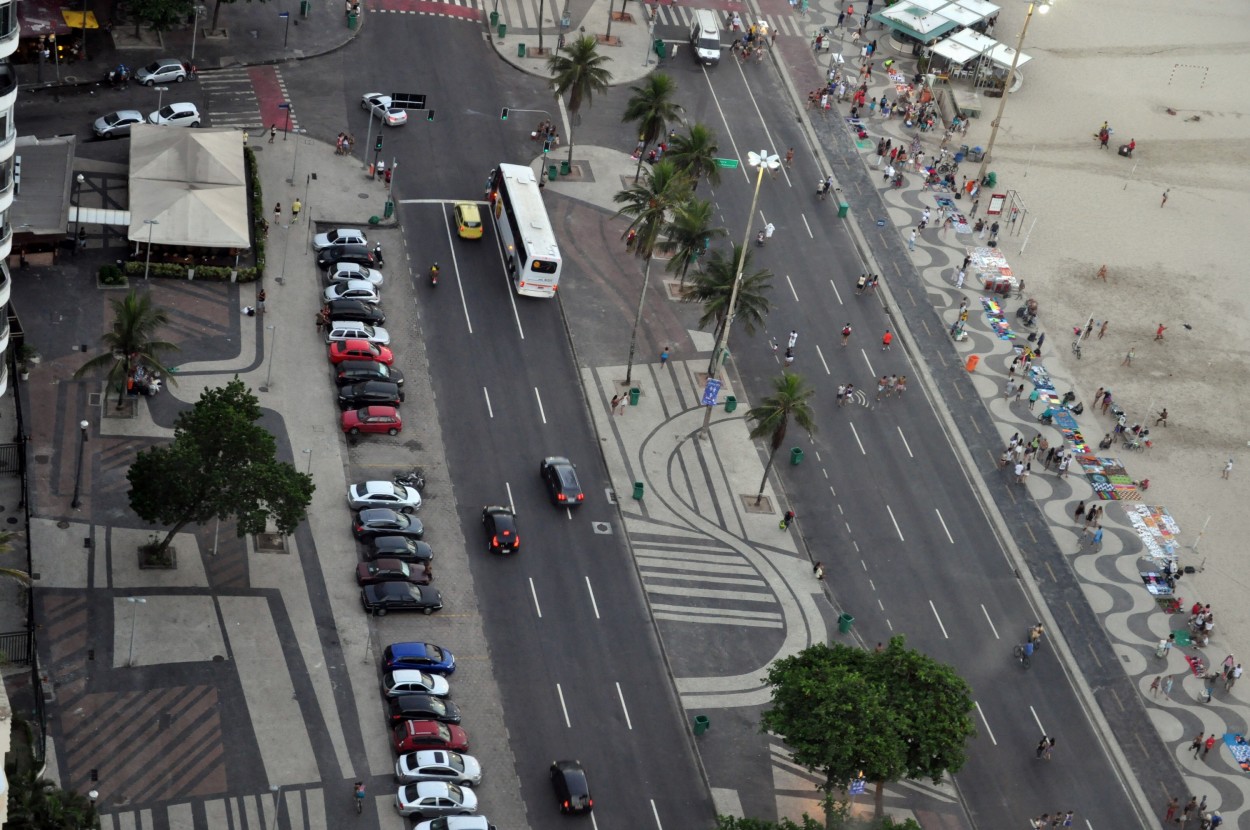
(444,733)
(435,653)
(455,792)
(709,43)
(167,111)
(154,67)
(567,477)
(113,119)
(456,761)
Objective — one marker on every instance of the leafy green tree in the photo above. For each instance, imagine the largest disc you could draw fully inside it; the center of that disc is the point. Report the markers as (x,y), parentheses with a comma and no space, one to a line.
(846,712)
(772,417)
(695,155)
(39,804)
(159,15)
(691,233)
(580,72)
(649,205)
(131,341)
(221,465)
(713,287)
(652,108)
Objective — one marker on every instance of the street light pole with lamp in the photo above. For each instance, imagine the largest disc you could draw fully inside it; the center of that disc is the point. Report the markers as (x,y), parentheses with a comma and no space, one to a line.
(82,447)
(273,347)
(136,602)
(160,96)
(147,261)
(199,10)
(764,161)
(78,183)
(1042,6)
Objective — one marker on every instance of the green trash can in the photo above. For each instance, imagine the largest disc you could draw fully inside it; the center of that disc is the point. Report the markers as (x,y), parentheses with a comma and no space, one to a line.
(845,621)
(388,209)
(494,19)
(351,20)
(660,48)
(991,179)
(565,168)
(375,220)
(701,724)
(731,403)
(520,50)
(634,394)
(796,455)
(638,488)
(552,172)
(304,7)
(843,209)
(503,30)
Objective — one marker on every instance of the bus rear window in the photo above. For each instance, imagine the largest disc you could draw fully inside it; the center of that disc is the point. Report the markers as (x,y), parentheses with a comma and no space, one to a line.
(544,266)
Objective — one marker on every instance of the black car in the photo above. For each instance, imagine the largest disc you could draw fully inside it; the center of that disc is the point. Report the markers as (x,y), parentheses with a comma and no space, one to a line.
(422,707)
(357,311)
(370,393)
(568,779)
(358,371)
(560,476)
(384,597)
(398,547)
(501,533)
(358,254)
(382,521)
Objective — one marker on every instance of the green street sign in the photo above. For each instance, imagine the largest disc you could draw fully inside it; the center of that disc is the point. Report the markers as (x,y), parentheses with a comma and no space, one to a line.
(730,163)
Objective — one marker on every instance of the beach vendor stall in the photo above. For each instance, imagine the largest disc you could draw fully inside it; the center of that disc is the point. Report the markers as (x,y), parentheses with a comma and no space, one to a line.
(989,267)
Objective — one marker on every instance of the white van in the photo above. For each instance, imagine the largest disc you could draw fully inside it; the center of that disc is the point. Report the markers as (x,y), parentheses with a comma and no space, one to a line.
(705,37)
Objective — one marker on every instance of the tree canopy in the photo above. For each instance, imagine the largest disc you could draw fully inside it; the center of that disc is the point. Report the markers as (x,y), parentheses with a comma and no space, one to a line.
(887,715)
(39,804)
(220,465)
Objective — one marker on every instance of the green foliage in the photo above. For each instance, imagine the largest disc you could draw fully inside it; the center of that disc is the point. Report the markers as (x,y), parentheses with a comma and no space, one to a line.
(39,804)
(886,715)
(221,465)
(772,419)
(691,233)
(580,72)
(650,203)
(652,107)
(695,155)
(131,340)
(111,275)
(158,15)
(714,286)
(840,814)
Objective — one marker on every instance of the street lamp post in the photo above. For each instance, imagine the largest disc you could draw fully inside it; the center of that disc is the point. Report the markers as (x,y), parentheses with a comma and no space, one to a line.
(134,614)
(199,10)
(78,183)
(160,96)
(1042,7)
(273,347)
(308,469)
(147,261)
(277,804)
(82,446)
(299,131)
(764,161)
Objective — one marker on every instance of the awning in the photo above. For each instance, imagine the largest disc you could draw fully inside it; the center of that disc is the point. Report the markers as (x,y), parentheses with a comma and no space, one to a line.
(99,216)
(74,19)
(915,21)
(41,17)
(962,16)
(975,41)
(982,7)
(1002,54)
(954,52)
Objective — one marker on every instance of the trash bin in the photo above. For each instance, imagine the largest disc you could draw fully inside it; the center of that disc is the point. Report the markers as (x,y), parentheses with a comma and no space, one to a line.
(520,50)
(991,179)
(634,394)
(701,723)
(843,209)
(638,488)
(375,220)
(552,172)
(845,621)
(503,30)
(659,48)
(731,403)
(388,209)
(304,7)
(494,19)
(796,455)
(565,168)
(959,158)
(973,360)
(976,154)
(351,20)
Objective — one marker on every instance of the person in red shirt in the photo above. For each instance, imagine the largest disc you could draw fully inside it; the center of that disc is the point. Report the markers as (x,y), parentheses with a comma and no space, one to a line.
(886,340)
(1159,331)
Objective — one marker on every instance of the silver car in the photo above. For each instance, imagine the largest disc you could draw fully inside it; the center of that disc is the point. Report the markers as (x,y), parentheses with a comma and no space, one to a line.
(116,124)
(383,494)
(344,271)
(179,114)
(353,290)
(162,71)
(438,765)
(427,799)
(339,236)
(351,330)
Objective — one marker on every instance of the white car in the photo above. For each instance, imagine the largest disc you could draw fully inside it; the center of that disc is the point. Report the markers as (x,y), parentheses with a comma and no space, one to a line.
(411,681)
(383,494)
(455,823)
(438,765)
(344,271)
(339,236)
(380,105)
(181,114)
(425,799)
(162,71)
(351,330)
(353,290)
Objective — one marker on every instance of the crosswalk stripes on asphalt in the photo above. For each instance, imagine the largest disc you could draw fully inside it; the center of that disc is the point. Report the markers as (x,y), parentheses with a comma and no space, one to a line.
(683,16)
(705,585)
(231,99)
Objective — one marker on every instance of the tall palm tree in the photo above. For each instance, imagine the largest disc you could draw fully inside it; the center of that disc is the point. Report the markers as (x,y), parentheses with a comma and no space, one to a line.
(579,71)
(695,154)
(649,205)
(772,417)
(713,288)
(691,235)
(131,341)
(652,108)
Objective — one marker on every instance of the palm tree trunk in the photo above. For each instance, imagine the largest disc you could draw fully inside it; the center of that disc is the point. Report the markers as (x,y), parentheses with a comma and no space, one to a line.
(638,170)
(541,3)
(571,114)
(633,337)
(763,481)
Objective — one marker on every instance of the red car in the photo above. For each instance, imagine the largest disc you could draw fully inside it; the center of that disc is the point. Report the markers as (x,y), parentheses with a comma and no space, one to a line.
(392,570)
(414,735)
(341,350)
(372,419)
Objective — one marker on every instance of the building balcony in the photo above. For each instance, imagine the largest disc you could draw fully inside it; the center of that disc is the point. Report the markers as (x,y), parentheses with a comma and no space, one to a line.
(8,87)
(10,29)
(6,248)
(6,284)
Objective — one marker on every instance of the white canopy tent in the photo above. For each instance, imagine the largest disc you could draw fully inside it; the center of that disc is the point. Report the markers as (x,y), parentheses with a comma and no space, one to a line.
(1002,55)
(977,42)
(954,51)
(192,182)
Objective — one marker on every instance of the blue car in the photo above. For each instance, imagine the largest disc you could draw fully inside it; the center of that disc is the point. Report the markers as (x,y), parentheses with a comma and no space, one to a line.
(425,657)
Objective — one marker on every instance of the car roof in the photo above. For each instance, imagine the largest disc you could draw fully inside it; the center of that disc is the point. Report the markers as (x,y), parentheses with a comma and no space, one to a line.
(183,106)
(498,509)
(365,386)
(408,648)
(384,544)
(126,114)
(379,514)
(555,460)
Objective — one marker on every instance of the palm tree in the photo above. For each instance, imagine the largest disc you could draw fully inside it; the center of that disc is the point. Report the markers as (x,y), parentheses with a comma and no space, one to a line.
(649,205)
(652,108)
(714,286)
(772,417)
(131,341)
(690,235)
(39,804)
(578,71)
(695,155)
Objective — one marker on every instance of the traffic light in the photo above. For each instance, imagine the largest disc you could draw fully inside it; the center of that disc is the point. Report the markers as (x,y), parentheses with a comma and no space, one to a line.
(429,115)
(378,145)
(503,114)
(546,146)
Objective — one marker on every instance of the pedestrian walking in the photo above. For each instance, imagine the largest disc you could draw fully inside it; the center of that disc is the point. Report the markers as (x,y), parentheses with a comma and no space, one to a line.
(1163,417)
(1098,395)
(888,338)
(1232,677)
(1228,469)
(1050,459)
(1102,273)
(618,407)
(789,356)
(1190,806)
(277,213)
(790,158)
(1207,747)
(1079,512)
(1019,391)
(1064,463)
(1173,806)
(261,296)
(1042,746)
(850,392)
(296,207)
(841,393)
(818,571)
(273,133)
(1033,397)
(959,277)
(1106,401)
(1050,747)
(1196,743)
(664,356)
(911,241)
(1159,332)
(774,345)
(787,520)
(1102,330)
(1161,204)
(794,338)
(1154,686)
(846,333)
(1128,359)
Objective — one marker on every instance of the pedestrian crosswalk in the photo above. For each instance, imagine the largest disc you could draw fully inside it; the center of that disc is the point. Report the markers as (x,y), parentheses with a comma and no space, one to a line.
(785,24)
(231,99)
(462,9)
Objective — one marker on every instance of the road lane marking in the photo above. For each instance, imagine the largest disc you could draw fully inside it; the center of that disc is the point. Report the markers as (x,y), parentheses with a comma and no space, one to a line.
(534,594)
(724,121)
(895,521)
(857,441)
(542,413)
(823,361)
(810,235)
(871,371)
(938,617)
(986,723)
(1038,721)
(764,124)
(836,292)
(563,708)
(490,411)
(624,708)
(455,267)
(905,444)
(793,292)
(593,604)
(655,813)
(994,630)
(508,487)
(945,529)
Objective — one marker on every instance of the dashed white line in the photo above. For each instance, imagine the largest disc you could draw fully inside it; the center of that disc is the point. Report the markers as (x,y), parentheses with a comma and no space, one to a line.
(563,708)
(1037,720)
(793,293)
(988,730)
(809,227)
(895,521)
(945,529)
(593,604)
(855,432)
(624,708)
(991,622)
(906,445)
(508,487)
(541,412)
(938,617)
(836,293)
(490,412)
(823,362)
(871,371)
(534,594)
(655,813)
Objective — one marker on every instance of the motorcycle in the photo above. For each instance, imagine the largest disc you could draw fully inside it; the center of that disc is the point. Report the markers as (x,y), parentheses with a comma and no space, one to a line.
(434,274)
(119,78)
(411,478)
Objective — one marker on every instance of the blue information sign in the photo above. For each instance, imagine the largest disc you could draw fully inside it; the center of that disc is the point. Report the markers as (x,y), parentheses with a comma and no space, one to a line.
(711,391)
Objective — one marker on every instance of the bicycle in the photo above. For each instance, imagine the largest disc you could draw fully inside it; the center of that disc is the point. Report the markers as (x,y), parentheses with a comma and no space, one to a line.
(1022,654)
(1076,348)
(359,796)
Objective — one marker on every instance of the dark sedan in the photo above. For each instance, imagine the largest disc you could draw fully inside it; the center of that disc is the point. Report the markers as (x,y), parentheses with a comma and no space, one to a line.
(560,476)
(391,570)
(355,310)
(422,707)
(385,597)
(501,533)
(355,254)
(358,371)
(370,393)
(399,547)
(382,521)
(568,779)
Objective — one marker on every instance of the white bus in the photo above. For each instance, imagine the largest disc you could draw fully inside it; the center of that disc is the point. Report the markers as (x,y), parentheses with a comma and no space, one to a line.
(525,237)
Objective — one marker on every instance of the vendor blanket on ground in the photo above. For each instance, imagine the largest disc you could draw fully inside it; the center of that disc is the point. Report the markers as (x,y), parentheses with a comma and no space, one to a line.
(1108,478)
(997,318)
(1157,530)
(959,223)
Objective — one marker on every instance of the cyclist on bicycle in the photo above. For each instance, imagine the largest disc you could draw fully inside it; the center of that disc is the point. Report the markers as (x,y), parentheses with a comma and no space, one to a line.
(359,794)
(1028,650)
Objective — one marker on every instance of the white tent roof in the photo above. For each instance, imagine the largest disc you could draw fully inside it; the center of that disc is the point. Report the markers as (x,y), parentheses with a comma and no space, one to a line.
(954,51)
(982,7)
(1002,55)
(977,42)
(917,17)
(192,183)
(959,14)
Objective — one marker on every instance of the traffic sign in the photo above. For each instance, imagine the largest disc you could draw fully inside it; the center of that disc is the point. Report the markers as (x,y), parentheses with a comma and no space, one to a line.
(710,392)
(730,163)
